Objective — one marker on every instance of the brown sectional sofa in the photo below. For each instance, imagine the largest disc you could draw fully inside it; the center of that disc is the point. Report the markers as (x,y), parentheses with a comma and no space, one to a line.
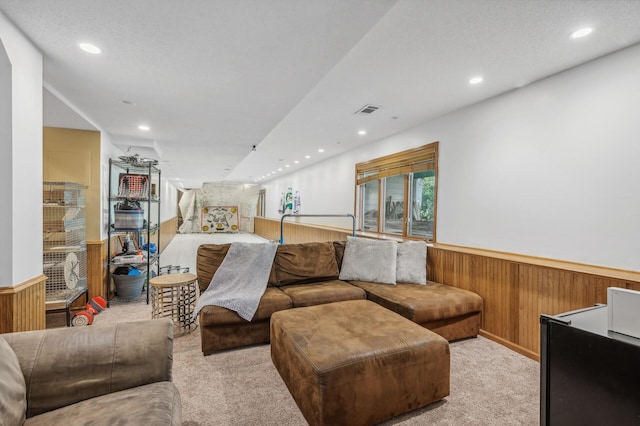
(307,274)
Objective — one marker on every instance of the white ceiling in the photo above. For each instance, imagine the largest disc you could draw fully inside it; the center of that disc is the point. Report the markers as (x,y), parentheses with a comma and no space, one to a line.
(213,78)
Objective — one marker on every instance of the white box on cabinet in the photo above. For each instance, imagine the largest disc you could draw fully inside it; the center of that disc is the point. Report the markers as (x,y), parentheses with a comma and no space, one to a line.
(623,311)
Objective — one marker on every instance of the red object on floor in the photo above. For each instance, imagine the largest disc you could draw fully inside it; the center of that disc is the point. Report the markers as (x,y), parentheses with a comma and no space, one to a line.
(96,305)
(82,318)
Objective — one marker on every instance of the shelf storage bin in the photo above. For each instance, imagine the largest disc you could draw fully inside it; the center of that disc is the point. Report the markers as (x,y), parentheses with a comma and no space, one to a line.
(128,220)
(129,287)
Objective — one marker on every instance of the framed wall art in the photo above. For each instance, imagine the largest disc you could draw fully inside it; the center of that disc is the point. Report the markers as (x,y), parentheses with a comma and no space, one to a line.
(219,219)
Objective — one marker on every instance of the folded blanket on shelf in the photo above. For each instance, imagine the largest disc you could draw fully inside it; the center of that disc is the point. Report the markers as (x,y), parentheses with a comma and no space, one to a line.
(241,279)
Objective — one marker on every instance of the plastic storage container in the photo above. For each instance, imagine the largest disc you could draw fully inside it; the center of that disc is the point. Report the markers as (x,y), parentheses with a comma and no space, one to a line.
(128,220)
(129,286)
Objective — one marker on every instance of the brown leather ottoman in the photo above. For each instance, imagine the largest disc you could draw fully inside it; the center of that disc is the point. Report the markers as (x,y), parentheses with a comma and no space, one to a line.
(356,362)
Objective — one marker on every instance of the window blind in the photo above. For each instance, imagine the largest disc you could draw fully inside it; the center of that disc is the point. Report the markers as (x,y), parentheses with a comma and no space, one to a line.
(410,161)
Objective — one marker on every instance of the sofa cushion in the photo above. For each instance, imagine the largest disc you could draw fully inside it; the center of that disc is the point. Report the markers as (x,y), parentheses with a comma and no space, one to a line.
(339,248)
(306,263)
(411,263)
(272,300)
(13,390)
(322,292)
(208,260)
(153,404)
(423,303)
(369,260)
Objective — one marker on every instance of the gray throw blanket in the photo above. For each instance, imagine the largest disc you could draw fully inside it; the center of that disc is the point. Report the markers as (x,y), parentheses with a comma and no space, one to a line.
(241,279)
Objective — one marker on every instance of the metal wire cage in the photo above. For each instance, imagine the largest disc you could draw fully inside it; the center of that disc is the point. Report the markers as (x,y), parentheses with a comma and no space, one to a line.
(63,242)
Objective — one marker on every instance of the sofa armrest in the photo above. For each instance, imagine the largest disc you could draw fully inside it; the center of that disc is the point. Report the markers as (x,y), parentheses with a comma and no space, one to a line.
(68,365)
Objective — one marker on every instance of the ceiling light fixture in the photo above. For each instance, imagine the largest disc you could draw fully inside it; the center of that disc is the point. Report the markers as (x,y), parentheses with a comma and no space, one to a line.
(321,150)
(144,127)
(582,32)
(280,170)
(90,48)
(307,156)
(296,161)
(362,132)
(476,80)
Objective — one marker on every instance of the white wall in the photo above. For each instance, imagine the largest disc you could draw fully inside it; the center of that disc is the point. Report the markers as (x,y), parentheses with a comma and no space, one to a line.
(22,193)
(168,200)
(325,188)
(548,170)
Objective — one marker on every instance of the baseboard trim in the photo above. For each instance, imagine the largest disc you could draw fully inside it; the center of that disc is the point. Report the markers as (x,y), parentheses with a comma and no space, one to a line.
(516,348)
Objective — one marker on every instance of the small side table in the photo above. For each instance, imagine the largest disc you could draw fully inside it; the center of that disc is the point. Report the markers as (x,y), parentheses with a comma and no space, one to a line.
(174,296)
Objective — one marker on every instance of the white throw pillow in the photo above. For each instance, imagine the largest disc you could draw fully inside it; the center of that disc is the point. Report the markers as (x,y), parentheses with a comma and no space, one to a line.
(412,262)
(13,390)
(369,260)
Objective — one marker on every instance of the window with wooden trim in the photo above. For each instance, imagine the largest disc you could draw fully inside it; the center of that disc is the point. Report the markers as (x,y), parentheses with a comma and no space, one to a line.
(397,194)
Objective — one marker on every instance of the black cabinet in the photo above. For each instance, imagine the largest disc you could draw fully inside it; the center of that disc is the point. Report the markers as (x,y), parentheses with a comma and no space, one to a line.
(588,375)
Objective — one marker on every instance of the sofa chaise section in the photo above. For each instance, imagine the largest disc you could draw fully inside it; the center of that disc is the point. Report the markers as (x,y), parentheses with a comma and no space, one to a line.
(451,312)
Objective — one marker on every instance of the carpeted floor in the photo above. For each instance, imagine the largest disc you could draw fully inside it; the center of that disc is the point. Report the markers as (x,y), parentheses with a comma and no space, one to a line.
(490,384)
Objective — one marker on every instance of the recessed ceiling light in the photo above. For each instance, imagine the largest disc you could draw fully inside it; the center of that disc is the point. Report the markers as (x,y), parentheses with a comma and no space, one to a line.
(296,161)
(269,174)
(144,127)
(280,169)
(307,156)
(320,150)
(90,48)
(476,80)
(362,132)
(582,32)
(287,165)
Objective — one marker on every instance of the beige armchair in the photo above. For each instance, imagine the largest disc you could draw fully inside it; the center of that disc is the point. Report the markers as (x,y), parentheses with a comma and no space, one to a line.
(110,374)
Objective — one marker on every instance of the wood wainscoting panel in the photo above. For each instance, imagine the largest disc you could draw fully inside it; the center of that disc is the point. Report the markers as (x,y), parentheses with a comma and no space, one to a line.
(517,291)
(22,308)
(295,233)
(96,272)
(552,291)
(266,228)
(168,230)
(495,280)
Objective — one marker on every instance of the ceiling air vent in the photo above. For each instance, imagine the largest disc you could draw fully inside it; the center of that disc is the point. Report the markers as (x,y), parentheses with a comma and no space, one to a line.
(367,109)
